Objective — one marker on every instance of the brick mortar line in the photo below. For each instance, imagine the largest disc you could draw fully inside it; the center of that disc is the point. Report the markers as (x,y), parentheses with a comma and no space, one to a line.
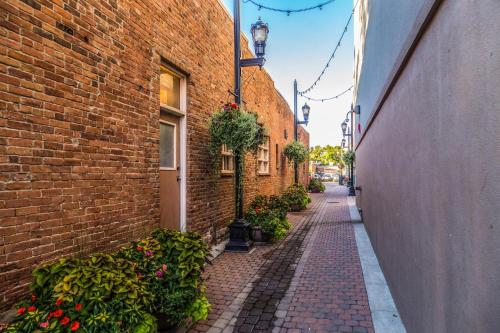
(228,318)
(284,304)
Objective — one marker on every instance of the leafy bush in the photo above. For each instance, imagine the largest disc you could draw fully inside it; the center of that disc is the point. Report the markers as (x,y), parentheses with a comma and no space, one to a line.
(276,202)
(270,215)
(296,152)
(101,293)
(159,275)
(297,197)
(316,185)
(171,263)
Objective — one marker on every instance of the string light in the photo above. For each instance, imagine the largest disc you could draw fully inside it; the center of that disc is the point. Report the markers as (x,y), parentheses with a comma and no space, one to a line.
(328,98)
(289,11)
(332,55)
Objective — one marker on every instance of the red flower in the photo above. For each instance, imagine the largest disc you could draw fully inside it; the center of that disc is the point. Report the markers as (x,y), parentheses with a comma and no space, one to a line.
(78,307)
(64,321)
(59,302)
(75,325)
(58,313)
(21,310)
(32,308)
(45,324)
(234,105)
(139,248)
(33,297)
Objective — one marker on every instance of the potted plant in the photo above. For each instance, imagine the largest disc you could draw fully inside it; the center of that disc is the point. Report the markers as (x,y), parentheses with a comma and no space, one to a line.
(316,186)
(267,217)
(297,197)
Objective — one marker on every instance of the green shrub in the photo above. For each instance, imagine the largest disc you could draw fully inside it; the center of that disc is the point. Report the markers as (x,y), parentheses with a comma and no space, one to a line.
(270,215)
(297,197)
(121,292)
(100,294)
(316,185)
(172,262)
(276,202)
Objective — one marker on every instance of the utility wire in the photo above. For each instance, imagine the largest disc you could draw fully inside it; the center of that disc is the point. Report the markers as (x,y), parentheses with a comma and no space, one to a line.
(332,55)
(289,10)
(328,98)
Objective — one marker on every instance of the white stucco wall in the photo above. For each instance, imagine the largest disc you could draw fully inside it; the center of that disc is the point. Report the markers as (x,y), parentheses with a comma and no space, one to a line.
(377,48)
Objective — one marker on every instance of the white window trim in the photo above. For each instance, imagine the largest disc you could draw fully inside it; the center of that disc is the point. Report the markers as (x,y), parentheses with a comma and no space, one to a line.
(175,146)
(227,153)
(266,146)
(183,93)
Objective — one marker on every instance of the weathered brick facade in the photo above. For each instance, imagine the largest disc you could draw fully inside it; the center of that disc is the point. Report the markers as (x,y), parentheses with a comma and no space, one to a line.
(79,124)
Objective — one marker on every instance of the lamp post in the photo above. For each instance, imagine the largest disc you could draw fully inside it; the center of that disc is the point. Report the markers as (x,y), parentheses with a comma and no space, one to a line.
(239,239)
(306,109)
(350,134)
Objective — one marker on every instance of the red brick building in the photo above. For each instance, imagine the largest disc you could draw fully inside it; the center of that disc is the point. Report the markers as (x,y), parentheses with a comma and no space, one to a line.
(81,123)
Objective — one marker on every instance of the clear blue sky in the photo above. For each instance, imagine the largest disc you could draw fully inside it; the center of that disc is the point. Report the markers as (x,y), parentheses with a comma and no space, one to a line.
(298,47)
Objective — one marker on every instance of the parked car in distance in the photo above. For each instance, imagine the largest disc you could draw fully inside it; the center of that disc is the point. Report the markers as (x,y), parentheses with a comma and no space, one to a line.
(317,176)
(327,177)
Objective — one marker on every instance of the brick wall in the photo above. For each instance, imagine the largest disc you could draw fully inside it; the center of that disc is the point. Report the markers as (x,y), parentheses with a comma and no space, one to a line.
(79,124)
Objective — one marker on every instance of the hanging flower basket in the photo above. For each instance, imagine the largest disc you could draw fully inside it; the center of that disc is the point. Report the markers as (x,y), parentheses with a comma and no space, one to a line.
(237,129)
(296,152)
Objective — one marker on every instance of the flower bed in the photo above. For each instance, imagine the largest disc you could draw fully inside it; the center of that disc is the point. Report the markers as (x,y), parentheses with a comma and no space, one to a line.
(267,216)
(157,277)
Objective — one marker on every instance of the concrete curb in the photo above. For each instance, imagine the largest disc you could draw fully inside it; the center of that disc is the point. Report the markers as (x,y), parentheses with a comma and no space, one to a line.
(385,315)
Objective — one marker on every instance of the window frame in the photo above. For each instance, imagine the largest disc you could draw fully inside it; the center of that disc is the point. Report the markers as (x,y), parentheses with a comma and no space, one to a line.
(265,146)
(226,153)
(277,156)
(182,91)
(175,146)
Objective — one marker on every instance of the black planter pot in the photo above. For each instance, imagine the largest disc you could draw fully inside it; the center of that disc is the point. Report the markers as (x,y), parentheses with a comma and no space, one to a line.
(163,325)
(258,235)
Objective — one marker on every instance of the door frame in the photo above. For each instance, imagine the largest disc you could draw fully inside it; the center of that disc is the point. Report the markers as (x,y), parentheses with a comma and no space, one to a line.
(182,114)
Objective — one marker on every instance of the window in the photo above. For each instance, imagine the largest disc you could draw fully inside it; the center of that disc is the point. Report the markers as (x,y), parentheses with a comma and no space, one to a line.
(263,158)
(277,159)
(170,89)
(227,160)
(167,146)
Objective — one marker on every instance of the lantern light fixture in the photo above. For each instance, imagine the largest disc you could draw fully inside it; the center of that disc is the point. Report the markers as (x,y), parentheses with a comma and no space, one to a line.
(259,30)
(306,109)
(344,127)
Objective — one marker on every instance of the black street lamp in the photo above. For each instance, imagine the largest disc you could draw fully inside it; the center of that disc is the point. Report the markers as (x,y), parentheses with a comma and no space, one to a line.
(306,109)
(350,134)
(239,239)
(259,30)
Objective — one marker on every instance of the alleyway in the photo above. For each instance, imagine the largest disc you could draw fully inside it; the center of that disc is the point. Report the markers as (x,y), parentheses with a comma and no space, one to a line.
(310,282)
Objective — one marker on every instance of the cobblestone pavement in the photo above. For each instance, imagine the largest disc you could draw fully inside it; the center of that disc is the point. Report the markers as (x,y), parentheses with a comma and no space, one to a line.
(310,282)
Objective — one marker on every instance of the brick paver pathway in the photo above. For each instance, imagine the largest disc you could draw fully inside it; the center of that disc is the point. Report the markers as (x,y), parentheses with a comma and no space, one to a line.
(310,282)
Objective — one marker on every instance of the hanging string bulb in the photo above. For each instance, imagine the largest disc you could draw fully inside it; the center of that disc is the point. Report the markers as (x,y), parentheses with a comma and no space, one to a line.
(329,98)
(332,56)
(288,11)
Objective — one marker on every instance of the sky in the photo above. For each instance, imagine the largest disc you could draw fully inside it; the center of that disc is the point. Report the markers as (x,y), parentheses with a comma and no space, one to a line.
(298,47)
